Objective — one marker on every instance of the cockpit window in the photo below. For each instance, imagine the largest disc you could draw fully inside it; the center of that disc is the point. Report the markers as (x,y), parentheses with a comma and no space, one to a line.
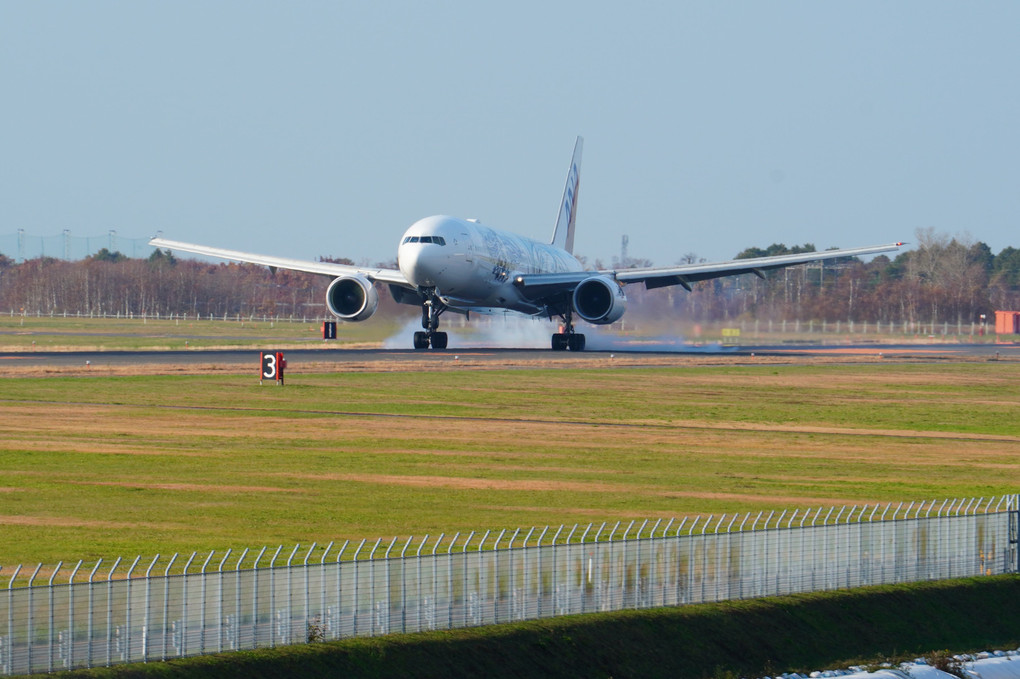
(438,240)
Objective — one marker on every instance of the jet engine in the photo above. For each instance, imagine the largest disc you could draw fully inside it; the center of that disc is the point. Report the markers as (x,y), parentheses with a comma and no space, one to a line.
(599,300)
(352,298)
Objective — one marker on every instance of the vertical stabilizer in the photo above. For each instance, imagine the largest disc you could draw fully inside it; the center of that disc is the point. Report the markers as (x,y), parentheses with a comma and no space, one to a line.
(563,234)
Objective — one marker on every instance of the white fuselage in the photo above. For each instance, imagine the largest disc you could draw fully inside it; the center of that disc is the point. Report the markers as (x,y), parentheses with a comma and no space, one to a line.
(472,266)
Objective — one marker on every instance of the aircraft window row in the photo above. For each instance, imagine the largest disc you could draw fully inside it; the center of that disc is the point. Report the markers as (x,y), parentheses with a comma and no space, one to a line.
(438,240)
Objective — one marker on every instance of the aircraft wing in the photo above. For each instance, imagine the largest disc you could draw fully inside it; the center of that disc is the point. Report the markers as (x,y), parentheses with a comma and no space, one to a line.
(324,268)
(545,286)
(691,273)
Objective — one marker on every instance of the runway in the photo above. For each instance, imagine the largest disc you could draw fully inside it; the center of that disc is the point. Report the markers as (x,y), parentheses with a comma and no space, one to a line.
(396,359)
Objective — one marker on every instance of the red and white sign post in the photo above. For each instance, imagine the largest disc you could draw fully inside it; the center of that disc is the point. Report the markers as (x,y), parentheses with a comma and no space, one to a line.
(271,366)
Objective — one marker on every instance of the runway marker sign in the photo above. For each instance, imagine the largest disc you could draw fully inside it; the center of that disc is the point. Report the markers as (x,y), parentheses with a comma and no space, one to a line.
(271,365)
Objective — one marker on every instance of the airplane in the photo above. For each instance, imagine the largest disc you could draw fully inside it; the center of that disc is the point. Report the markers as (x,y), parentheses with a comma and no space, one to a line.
(460,265)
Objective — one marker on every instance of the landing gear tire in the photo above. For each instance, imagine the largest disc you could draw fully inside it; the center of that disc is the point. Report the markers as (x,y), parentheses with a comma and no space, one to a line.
(561,341)
(431,308)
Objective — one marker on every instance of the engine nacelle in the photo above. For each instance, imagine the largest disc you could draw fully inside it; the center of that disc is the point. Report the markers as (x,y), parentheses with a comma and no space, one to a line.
(599,300)
(352,298)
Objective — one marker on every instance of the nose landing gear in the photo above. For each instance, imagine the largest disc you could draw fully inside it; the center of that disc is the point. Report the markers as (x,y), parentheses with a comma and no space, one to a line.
(431,309)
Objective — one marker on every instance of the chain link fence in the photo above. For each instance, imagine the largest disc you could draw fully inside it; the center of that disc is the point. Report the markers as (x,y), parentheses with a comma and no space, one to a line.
(57,619)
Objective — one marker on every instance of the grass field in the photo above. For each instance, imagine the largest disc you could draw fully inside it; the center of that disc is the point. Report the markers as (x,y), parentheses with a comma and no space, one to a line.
(118,465)
(59,333)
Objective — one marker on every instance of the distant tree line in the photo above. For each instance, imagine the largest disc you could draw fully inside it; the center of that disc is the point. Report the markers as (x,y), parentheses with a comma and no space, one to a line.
(941,280)
(110,283)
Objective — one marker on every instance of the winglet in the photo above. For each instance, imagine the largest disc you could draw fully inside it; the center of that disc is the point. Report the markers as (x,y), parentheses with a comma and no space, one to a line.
(563,233)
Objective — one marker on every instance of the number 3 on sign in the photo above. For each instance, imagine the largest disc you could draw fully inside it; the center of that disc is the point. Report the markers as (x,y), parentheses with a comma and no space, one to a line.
(271,366)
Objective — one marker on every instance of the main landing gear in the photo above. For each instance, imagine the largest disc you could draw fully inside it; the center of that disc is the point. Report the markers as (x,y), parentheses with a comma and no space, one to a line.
(431,309)
(568,339)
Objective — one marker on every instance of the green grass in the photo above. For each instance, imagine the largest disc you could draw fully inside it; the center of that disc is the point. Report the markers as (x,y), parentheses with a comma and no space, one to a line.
(99,467)
(58,333)
(962,398)
(754,638)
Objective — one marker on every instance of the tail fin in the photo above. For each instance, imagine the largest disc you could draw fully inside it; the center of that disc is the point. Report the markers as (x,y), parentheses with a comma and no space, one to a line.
(563,233)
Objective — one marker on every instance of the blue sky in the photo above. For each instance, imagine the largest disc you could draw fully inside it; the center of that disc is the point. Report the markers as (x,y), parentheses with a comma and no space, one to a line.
(326,128)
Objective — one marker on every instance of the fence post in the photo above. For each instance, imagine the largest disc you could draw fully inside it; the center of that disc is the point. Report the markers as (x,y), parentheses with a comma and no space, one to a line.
(417,573)
(109,609)
(354,605)
(49,588)
(339,585)
(184,612)
(255,599)
(272,597)
(665,530)
(1014,534)
(792,518)
(513,580)
(201,624)
(495,595)
(145,624)
(403,583)
(166,604)
(434,610)
(127,624)
(236,627)
(92,575)
(324,619)
(290,588)
(30,632)
(371,587)
(449,580)
(308,604)
(219,602)
(69,660)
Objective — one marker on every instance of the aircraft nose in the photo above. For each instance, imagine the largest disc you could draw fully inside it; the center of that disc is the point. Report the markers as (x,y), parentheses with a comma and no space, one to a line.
(420,263)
